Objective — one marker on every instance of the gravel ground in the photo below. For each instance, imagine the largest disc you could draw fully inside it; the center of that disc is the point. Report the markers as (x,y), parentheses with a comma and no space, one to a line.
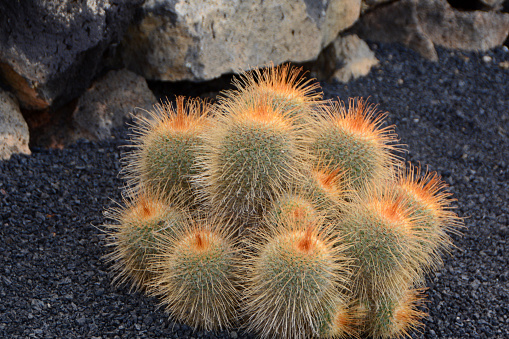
(454,117)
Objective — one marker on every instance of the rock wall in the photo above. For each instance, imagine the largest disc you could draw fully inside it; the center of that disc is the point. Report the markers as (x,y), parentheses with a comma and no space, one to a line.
(54,55)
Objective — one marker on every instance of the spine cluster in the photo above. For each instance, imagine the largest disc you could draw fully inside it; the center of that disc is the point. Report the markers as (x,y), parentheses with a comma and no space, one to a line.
(279,212)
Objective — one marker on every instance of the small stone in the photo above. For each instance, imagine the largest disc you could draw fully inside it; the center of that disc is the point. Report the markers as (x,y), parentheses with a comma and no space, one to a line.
(475,284)
(504,65)
(486,59)
(233,335)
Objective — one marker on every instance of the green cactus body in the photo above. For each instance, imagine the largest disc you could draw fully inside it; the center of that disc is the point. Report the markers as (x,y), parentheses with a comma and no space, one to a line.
(430,205)
(295,207)
(196,277)
(168,144)
(249,158)
(387,253)
(292,284)
(394,316)
(326,188)
(134,236)
(353,140)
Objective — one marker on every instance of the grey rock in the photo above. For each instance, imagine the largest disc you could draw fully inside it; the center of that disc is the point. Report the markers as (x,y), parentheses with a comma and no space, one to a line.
(474,30)
(51,50)
(396,22)
(422,24)
(14,135)
(196,40)
(348,57)
(109,102)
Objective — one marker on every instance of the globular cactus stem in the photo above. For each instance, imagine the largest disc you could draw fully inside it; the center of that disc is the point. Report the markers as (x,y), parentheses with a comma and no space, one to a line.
(133,235)
(426,194)
(196,275)
(285,88)
(354,140)
(165,149)
(250,156)
(294,280)
(378,227)
(394,316)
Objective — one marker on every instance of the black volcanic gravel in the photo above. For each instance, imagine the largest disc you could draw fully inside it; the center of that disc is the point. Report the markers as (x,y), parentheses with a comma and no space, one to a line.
(454,117)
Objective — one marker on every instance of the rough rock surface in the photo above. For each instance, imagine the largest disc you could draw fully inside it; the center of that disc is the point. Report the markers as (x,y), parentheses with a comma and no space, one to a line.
(13,127)
(201,40)
(422,24)
(348,57)
(109,102)
(51,50)
(396,22)
(476,30)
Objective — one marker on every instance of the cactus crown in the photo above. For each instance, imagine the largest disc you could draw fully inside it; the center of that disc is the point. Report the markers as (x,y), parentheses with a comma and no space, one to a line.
(165,149)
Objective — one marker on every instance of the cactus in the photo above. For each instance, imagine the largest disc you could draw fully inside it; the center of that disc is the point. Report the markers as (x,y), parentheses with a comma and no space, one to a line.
(379,228)
(133,235)
(394,316)
(292,205)
(431,208)
(327,187)
(285,88)
(196,275)
(354,140)
(345,320)
(327,235)
(166,149)
(250,156)
(294,279)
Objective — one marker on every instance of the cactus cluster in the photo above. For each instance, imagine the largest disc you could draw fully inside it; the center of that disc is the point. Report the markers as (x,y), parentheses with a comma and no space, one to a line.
(279,212)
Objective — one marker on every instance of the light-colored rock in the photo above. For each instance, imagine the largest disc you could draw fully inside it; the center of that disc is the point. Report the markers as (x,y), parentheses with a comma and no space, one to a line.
(109,102)
(472,31)
(14,133)
(396,22)
(354,58)
(422,24)
(368,5)
(200,40)
(347,57)
(495,4)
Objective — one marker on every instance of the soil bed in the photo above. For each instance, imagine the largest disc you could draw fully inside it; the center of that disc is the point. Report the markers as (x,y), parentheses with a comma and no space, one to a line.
(454,117)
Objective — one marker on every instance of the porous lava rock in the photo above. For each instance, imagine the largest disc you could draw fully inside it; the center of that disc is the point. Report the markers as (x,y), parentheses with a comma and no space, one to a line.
(51,50)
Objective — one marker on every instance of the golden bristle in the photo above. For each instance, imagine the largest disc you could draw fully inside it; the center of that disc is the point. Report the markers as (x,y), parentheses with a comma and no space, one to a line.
(330,180)
(361,119)
(347,320)
(285,80)
(431,191)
